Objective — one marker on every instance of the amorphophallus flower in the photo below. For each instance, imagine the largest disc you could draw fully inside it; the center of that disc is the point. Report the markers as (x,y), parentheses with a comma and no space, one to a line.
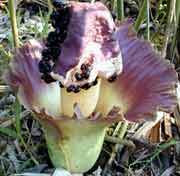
(87,74)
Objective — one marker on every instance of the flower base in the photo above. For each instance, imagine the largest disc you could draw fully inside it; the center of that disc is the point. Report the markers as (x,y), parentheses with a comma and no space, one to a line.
(74,144)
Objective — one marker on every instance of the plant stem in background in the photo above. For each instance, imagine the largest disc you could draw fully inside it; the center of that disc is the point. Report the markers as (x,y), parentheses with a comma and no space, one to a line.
(119,131)
(18,110)
(177,30)
(171,13)
(120,9)
(148,20)
(177,11)
(158,9)
(12,11)
(141,16)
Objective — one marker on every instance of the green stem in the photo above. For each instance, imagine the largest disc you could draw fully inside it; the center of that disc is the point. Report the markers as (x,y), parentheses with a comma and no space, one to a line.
(117,140)
(120,9)
(149,158)
(122,129)
(171,12)
(158,9)
(141,16)
(27,149)
(177,11)
(148,20)
(18,110)
(177,29)
(12,10)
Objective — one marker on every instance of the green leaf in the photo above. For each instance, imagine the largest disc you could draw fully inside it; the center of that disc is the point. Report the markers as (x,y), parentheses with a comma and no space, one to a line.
(141,16)
(9,132)
(17,116)
(120,9)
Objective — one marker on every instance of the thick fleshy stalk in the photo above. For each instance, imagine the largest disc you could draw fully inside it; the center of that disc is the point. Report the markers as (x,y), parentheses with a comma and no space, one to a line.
(62,137)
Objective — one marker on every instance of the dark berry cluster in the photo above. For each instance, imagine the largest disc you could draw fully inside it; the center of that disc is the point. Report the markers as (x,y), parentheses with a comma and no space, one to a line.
(60,19)
(85,73)
(114,16)
(77,88)
(113,77)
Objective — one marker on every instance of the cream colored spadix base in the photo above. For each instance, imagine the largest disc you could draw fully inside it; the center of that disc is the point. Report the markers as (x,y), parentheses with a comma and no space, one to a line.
(111,97)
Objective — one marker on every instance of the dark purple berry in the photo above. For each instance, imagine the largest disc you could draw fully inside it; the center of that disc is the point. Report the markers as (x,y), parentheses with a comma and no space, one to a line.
(114,16)
(84,67)
(47,58)
(58,3)
(60,19)
(86,86)
(44,67)
(94,82)
(71,88)
(52,38)
(55,52)
(78,76)
(54,18)
(61,14)
(61,85)
(46,55)
(65,12)
(77,89)
(63,22)
(86,74)
(45,52)
(47,78)
(62,36)
(54,15)
(113,77)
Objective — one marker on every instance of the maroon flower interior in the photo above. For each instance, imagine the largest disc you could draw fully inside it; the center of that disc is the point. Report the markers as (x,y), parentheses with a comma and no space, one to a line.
(90,41)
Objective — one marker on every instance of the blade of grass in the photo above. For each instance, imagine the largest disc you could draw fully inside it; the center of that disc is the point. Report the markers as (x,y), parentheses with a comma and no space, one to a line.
(141,16)
(177,30)
(12,12)
(177,11)
(159,149)
(46,20)
(120,10)
(148,20)
(120,131)
(9,132)
(171,13)
(18,110)
(158,9)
